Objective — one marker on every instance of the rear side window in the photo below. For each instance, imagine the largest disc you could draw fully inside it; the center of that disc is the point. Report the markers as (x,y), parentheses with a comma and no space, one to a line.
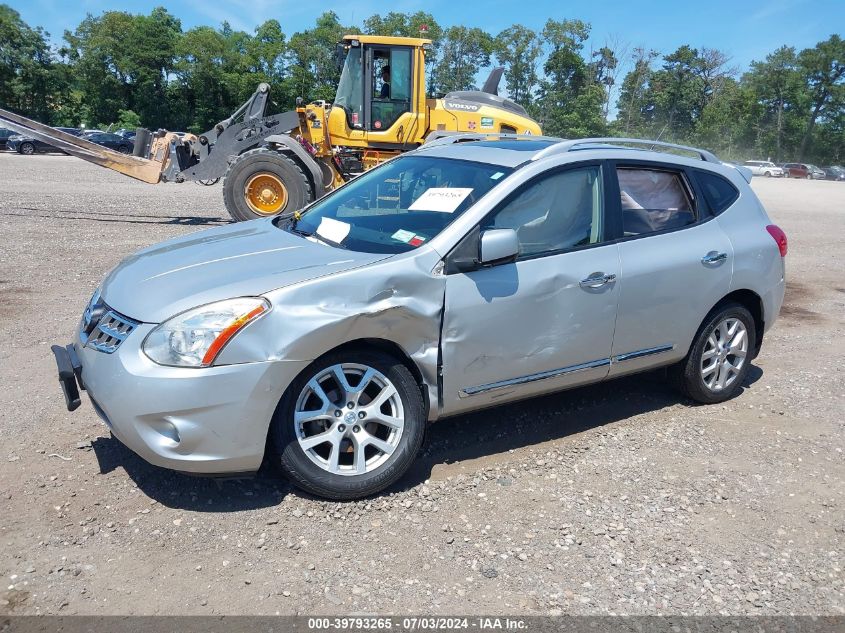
(718,191)
(653,200)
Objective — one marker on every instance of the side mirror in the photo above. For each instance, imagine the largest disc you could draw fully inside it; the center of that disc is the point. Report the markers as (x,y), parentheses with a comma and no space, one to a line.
(498,246)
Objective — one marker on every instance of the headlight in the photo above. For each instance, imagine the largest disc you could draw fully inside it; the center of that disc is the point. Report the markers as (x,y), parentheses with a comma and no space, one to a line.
(195,338)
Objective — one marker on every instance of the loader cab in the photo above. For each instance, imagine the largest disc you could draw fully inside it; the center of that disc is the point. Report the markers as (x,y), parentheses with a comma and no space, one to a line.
(380,99)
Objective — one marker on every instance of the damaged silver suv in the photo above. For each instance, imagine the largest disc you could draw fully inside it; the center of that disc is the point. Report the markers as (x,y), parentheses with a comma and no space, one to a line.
(473,271)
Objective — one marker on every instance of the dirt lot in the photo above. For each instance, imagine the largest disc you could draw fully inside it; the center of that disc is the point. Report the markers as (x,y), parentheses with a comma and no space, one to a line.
(621,498)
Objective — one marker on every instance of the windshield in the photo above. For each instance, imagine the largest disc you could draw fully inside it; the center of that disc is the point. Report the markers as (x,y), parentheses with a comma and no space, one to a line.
(349,94)
(398,206)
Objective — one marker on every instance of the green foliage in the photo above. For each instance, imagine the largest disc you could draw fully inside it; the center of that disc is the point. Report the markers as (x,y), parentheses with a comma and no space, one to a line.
(125,69)
(128,120)
(463,52)
(518,50)
(30,80)
(570,100)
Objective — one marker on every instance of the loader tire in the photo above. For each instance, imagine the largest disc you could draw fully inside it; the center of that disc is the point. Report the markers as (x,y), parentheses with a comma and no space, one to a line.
(262,183)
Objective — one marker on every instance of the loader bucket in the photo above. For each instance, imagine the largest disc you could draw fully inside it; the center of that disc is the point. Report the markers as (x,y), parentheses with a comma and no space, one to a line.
(140,168)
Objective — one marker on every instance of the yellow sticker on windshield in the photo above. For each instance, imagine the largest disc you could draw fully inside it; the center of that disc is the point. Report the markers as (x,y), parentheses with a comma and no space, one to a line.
(442,199)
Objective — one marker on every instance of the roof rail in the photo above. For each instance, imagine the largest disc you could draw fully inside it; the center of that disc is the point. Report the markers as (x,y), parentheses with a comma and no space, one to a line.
(443,137)
(569,145)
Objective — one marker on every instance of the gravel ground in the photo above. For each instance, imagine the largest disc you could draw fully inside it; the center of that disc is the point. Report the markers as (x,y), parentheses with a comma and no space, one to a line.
(618,498)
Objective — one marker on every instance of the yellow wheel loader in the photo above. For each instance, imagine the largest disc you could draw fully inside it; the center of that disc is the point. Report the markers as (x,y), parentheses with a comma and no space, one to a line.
(278,163)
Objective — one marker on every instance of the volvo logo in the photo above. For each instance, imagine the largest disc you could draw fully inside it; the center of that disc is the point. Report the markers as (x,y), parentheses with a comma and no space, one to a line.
(349,418)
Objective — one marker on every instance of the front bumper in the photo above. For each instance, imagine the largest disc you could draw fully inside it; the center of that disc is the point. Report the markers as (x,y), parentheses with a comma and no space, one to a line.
(210,420)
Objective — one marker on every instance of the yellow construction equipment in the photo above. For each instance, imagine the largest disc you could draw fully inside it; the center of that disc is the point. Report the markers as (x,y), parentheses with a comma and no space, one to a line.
(278,163)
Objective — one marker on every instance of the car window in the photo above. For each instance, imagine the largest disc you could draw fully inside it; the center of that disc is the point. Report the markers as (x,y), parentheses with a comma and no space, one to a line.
(398,206)
(653,200)
(718,191)
(558,212)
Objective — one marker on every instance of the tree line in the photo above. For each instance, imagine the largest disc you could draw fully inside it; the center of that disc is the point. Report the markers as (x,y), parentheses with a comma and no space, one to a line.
(132,69)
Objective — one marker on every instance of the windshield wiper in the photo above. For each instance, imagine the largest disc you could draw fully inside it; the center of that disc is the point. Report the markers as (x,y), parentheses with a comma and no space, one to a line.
(292,228)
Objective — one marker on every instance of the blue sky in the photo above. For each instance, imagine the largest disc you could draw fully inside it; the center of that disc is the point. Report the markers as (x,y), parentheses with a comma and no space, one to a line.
(746,30)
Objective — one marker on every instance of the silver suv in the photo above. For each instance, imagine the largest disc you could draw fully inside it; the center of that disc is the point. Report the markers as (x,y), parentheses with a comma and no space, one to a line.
(468,273)
(764,168)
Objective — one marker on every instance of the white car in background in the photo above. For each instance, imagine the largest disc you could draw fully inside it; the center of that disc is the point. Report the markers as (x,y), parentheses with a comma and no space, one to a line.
(764,168)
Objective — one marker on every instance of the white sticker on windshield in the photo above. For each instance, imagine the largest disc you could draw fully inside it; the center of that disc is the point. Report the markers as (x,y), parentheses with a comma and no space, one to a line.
(497,175)
(443,199)
(333,230)
(403,236)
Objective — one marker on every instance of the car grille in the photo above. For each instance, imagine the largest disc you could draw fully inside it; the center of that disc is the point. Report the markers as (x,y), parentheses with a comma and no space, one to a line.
(109,332)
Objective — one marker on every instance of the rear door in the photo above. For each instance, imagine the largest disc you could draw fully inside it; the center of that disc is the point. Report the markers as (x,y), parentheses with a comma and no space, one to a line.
(676,264)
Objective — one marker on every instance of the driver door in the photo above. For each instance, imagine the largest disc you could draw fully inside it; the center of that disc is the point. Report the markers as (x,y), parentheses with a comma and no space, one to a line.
(545,321)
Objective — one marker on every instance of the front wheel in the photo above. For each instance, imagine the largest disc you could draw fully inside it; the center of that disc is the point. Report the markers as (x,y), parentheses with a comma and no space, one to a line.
(768,174)
(123,149)
(350,425)
(720,356)
(262,183)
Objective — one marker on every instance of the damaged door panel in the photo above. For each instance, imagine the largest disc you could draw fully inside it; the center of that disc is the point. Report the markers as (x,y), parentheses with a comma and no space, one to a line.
(527,328)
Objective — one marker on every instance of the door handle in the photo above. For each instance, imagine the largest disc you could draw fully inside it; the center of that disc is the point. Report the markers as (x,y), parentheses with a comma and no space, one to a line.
(714,257)
(597,280)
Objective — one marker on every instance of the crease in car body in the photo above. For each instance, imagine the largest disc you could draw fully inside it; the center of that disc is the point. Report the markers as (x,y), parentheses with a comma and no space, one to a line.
(358,348)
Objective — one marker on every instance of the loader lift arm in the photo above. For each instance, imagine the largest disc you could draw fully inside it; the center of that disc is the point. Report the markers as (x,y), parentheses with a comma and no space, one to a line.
(141,168)
(163,156)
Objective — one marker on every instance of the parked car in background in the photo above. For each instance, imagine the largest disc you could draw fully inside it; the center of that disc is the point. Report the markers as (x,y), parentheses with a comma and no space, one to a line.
(129,135)
(495,270)
(27,145)
(764,168)
(4,136)
(816,173)
(797,170)
(834,172)
(112,141)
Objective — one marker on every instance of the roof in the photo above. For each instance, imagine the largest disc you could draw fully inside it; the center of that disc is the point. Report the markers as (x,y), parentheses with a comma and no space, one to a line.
(388,40)
(509,150)
(505,152)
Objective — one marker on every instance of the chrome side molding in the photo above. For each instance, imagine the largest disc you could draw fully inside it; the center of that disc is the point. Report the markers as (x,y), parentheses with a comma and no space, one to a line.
(543,375)
(554,373)
(643,352)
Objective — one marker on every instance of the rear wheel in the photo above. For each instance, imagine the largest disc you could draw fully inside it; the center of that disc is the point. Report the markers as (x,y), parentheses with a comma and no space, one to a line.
(27,148)
(350,425)
(262,183)
(720,356)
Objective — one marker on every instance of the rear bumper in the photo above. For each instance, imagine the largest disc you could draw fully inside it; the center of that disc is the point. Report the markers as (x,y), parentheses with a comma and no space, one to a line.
(212,420)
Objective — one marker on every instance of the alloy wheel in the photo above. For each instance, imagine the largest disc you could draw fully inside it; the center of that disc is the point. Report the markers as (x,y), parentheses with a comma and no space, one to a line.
(349,419)
(725,353)
(28,149)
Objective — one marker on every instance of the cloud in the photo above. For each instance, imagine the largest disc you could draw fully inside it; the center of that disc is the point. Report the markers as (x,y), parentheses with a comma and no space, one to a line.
(774,7)
(230,12)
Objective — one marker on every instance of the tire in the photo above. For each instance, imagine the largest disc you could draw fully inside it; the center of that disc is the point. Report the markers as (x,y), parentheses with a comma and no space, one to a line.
(123,149)
(313,467)
(768,174)
(691,375)
(27,148)
(278,167)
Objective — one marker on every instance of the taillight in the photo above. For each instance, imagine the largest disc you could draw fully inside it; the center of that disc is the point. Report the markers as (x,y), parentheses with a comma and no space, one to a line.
(780,237)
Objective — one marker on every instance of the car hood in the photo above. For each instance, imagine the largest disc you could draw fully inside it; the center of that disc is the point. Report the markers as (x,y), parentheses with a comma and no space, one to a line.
(237,260)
